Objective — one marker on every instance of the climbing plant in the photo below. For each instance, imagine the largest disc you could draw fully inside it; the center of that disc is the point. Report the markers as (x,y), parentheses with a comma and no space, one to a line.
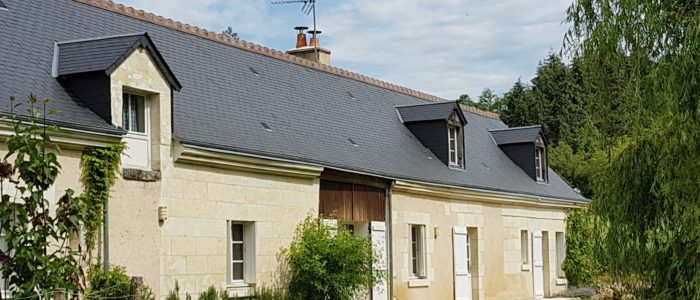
(100,167)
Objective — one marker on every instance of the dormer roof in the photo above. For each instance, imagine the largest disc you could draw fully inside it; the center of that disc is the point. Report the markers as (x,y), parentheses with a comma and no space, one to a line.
(430,112)
(105,54)
(517,135)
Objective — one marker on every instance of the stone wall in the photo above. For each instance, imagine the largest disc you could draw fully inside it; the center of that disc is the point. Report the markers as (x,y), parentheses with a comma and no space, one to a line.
(494,231)
(201,200)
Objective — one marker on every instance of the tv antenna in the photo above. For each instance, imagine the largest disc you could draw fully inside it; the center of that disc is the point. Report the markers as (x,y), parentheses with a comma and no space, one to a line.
(308,8)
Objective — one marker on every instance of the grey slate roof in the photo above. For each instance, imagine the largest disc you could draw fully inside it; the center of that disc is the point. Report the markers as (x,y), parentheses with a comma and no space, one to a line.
(427,112)
(106,54)
(515,135)
(223,103)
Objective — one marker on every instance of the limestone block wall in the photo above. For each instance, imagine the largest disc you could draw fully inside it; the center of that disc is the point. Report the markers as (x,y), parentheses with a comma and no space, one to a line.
(494,231)
(202,199)
(439,216)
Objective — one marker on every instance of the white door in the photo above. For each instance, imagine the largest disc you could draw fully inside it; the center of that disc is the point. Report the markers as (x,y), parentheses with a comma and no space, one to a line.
(378,237)
(332,226)
(537,264)
(463,277)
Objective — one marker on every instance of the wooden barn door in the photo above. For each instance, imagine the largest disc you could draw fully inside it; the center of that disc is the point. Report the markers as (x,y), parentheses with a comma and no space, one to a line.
(352,202)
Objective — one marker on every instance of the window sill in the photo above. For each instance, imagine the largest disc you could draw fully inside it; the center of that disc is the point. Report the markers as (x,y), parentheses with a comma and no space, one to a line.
(140,175)
(418,282)
(240,289)
(525,267)
(561,281)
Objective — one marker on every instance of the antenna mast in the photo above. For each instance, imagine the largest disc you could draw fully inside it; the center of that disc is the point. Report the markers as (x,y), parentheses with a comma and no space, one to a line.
(309,7)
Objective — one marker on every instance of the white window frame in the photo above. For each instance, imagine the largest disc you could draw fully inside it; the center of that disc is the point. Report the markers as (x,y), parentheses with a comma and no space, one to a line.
(249,254)
(453,147)
(561,253)
(127,104)
(540,160)
(417,269)
(524,247)
(539,163)
(135,137)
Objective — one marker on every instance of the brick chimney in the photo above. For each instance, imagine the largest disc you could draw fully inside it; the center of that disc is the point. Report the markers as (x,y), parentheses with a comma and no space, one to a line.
(312,50)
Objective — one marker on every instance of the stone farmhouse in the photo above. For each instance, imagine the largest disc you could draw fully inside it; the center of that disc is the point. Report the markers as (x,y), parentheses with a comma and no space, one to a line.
(231,145)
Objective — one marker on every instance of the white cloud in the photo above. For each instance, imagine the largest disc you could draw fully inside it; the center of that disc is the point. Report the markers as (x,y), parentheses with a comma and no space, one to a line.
(446,47)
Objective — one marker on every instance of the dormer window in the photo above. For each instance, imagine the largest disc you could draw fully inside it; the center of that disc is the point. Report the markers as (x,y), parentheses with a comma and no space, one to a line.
(440,127)
(453,130)
(134,113)
(540,160)
(527,147)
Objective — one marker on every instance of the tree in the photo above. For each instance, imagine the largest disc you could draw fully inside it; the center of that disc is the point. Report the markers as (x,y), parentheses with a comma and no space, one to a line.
(518,104)
(647,194)
(466,100)
(230,33)
(488,101)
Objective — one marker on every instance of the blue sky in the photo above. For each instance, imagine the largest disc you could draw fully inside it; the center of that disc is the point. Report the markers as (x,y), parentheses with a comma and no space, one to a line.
(445,47)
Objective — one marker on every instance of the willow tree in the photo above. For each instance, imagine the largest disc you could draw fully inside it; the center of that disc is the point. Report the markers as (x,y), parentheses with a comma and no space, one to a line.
(649,192)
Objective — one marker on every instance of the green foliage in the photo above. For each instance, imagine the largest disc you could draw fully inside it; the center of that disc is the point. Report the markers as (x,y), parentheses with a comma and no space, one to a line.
(100,167)
(230,33)
(175,294)
(265,293)
(488,101)
(37,258)
(581,264)
(209,294)
(113,284)
(145,293)
(645,53)
(555,101)
(466,100)
(327,266)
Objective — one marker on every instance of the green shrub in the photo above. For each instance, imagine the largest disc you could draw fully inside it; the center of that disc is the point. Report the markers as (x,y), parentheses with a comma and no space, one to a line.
(108,285)
(145,293)
(327,266)
(175,294)
(266,293)
(581,265)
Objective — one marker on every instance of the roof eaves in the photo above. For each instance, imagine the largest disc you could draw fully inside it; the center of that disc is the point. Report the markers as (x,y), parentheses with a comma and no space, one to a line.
(353,169)
(515,128)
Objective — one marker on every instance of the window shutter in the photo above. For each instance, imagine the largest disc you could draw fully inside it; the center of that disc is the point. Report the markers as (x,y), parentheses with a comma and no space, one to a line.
(463,279)
(378,237)
(249,253)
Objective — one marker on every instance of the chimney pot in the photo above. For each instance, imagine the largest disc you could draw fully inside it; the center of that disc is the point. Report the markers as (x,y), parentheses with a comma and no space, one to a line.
(315,40)
(301,36)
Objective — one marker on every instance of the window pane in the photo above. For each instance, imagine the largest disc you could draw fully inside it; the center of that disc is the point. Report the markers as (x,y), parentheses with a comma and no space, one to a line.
(237,271)
(237,251)
(453,156)
(524,246)
(140,118)
(237,232)
(125,111)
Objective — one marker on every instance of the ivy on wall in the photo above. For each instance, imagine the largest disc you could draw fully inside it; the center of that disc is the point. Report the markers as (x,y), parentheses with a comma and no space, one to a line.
(99,170)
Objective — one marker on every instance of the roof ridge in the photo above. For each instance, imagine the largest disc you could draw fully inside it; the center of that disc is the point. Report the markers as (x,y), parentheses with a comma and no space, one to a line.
(101,38)
(480,112)
(433,103)
(252,47)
